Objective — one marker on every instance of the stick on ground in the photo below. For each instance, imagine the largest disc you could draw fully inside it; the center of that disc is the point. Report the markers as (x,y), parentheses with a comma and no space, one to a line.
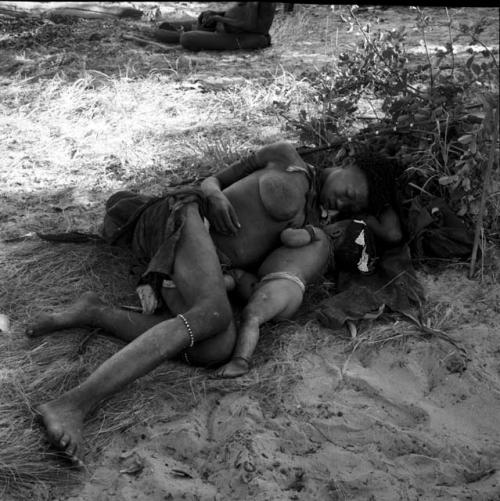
(145,41)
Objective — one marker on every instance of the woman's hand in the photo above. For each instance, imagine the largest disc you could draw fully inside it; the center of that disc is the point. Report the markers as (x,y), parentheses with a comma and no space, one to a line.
(221,214)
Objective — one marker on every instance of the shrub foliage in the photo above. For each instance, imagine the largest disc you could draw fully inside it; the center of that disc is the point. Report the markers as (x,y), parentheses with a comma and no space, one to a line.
(436,112)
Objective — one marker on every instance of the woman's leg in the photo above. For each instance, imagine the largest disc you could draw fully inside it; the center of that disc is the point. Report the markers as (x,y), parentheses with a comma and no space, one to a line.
(198,276)
(207,40)
(167,36)
(90,311)
(170,31)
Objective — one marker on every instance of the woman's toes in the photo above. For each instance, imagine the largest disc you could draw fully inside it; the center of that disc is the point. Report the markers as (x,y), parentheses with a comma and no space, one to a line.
(71,451)
(64,440)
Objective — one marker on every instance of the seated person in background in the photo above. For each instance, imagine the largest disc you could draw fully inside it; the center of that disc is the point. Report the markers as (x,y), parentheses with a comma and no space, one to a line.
(306,255)
(245,25)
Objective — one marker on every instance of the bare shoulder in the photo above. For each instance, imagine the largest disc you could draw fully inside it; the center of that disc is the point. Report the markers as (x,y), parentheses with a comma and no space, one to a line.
(279,156)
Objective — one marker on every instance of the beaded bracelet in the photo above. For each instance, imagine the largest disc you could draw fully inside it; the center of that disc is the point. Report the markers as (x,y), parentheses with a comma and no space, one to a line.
(188,327)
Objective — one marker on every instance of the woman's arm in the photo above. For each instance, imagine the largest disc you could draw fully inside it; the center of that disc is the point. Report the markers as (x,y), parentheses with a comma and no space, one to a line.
(221,213)
(244,18)
(236,171)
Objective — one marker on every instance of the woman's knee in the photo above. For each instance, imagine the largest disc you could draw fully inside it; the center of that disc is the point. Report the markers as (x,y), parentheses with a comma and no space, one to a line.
(215,350)
(213,315)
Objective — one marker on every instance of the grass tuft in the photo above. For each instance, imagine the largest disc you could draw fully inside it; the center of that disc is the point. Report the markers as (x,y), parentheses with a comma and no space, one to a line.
(81,119)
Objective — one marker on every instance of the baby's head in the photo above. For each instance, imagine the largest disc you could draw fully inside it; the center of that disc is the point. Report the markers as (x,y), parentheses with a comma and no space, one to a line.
(353,245)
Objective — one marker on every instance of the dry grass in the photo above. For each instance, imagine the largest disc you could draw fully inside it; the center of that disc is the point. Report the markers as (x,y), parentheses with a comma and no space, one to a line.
(75,129)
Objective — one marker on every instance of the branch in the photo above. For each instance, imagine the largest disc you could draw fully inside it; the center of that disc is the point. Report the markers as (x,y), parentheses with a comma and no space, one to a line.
(451,43)
(409,88)
(422,30)
(486,183)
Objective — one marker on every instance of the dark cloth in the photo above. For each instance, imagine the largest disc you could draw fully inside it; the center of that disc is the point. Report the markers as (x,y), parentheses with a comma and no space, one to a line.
(394,285)
(206,40)
(436,231)
(150,227)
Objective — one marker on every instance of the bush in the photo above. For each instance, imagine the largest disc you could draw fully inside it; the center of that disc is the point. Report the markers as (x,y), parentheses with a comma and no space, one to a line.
(436,112)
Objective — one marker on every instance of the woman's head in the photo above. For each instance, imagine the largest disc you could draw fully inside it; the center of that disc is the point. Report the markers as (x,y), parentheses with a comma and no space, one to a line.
(344,189)
(365,183)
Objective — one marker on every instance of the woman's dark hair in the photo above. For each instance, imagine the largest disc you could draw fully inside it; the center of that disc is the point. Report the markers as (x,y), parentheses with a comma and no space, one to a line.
(382,173)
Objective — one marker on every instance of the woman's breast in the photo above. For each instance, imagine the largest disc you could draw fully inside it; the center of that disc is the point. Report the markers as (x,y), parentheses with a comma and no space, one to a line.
(266,203)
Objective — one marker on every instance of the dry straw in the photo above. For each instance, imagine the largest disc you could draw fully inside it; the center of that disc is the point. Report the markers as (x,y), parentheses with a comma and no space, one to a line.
(75,129)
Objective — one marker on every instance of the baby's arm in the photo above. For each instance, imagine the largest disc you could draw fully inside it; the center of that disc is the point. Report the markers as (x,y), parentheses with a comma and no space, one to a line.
(387,227)
(299,237)
(242,282)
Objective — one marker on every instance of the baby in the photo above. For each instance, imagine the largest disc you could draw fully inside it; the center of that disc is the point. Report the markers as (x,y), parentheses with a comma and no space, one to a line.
(278,289)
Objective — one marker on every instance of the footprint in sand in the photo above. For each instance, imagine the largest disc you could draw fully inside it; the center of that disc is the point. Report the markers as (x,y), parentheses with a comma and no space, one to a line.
(378,406)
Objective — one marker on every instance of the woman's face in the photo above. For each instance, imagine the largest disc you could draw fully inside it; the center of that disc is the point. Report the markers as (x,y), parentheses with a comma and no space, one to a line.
(345,190)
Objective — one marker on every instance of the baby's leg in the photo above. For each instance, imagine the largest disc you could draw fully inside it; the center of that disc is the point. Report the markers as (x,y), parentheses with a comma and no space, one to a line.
(277,298)
(243,283)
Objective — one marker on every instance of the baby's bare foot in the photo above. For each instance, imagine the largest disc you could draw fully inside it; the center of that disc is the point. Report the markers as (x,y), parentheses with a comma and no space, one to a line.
(79,314)
(237,366)
(63,422)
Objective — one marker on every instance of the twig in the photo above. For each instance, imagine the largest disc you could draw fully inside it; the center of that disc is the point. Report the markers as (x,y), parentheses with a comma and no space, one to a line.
(486,183)
(485,47)
(413,185)
(451,44)
(422,30)
(408,87)
(83,344)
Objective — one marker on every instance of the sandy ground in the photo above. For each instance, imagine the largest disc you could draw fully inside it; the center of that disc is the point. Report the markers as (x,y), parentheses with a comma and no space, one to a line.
(406,420)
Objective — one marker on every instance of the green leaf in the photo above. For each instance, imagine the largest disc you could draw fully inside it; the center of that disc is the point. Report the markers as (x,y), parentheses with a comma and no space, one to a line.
(446,180)
(475,68)
(466,184)
(466,139)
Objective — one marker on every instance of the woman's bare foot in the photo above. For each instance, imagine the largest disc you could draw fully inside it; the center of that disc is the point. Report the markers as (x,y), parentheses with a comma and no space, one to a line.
(79,314)
(237,366)
(63,422)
